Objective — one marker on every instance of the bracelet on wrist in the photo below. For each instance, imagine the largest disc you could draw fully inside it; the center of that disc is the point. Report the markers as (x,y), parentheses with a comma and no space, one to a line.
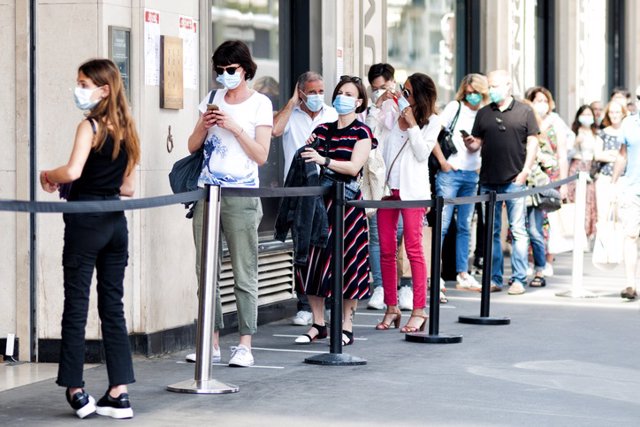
(327,160)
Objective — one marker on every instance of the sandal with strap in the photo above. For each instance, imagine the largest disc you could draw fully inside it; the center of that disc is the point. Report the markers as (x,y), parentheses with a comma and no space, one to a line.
(308,339)
(538,282)
(408,329)
(391,316)
(347,337)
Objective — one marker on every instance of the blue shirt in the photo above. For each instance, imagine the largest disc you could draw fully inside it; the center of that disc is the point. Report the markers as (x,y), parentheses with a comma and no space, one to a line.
(631,138)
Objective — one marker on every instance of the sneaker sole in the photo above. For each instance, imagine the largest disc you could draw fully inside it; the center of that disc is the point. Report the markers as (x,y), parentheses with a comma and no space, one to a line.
(237,365)
(119,413)
(87,409)
(300,323)
(468,288)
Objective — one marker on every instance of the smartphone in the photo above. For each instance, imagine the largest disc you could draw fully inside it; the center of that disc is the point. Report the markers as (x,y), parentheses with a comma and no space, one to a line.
(213,107)
(464,133)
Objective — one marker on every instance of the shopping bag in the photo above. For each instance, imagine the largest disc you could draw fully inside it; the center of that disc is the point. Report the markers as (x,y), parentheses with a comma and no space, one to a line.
(609,242)
(561,232)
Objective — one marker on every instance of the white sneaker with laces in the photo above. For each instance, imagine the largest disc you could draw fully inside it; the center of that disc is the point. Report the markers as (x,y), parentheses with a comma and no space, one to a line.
(467,282)
(241,357)
(376,302)
(302,318)
(548,270)
(405,298)
(215,353)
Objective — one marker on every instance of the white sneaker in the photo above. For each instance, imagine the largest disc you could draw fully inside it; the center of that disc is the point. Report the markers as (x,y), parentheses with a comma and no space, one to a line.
(442,285)
(467,283)
(405,298)
(302,318)
(376,302)
(241,357)
(548,270)
(215,353)
(530,270)
(516,288)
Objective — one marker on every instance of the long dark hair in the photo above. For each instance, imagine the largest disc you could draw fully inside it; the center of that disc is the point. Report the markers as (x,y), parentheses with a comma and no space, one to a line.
(113,112)
(576,123)
(425,95)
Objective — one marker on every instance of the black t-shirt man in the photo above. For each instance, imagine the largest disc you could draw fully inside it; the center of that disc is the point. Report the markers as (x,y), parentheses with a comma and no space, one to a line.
(504,135)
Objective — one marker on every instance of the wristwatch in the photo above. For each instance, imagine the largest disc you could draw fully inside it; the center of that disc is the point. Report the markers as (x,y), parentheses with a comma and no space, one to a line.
(327,160)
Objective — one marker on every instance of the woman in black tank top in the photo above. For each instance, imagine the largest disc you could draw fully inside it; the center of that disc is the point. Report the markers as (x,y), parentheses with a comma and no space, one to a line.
(101,167)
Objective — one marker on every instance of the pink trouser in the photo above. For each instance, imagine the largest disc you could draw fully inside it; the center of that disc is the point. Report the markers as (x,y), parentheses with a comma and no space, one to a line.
(412,219)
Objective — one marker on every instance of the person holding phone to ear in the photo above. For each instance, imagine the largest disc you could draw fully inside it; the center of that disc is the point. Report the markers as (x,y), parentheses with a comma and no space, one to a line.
(459,176)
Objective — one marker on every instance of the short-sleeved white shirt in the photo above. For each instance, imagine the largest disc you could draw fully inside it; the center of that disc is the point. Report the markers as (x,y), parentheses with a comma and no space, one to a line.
(299,128)
(225,161)
(464,159)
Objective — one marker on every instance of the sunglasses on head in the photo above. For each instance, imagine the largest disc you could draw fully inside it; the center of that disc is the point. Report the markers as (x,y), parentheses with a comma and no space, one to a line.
(352,79)
(230,69)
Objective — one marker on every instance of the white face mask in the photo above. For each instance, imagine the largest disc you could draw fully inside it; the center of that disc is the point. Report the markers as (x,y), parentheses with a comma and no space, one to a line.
(230,81)
(542,108)
(82,98)
(377,94)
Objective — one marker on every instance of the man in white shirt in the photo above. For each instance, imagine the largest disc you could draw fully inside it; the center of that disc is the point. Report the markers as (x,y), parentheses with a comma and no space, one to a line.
(303,113)
(295,122)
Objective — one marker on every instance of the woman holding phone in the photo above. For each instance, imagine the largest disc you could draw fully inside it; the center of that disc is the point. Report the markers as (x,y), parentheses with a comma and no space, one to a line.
(235,134)
(101,167)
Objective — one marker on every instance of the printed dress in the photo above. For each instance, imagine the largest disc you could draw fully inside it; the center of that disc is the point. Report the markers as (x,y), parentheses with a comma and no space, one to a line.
(315,277)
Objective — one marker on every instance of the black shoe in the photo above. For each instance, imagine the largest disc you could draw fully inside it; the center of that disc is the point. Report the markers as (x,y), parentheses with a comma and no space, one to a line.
(629,293)
(82,403)
(115,407)
(478,262)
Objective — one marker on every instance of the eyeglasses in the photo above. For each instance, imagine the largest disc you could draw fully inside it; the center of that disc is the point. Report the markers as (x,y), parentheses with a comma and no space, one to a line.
(230,69)
(352,79)
(501,126)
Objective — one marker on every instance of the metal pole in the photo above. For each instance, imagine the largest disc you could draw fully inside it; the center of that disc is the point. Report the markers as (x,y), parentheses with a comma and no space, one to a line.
(204,382)
(434,287)
(484,319)
(335,357)
(579,242)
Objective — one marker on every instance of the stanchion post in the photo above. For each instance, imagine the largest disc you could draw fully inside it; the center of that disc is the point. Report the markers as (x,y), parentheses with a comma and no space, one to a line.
(484,318)
(434,287)
(579,242)
(203,382)
(335,357)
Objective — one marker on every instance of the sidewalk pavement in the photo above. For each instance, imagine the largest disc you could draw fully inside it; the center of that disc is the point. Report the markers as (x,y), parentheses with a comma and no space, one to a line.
(561,362)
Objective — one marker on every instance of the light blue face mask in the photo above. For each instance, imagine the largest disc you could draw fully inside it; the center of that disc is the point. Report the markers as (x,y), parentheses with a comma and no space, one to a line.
(403,103)
(496,95)
(344,104)
(82,98)
(314,102)
(230,81)
(473,98)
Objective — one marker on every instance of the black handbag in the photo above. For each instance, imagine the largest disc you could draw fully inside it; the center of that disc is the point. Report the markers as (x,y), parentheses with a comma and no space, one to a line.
(547,200)
(445,140)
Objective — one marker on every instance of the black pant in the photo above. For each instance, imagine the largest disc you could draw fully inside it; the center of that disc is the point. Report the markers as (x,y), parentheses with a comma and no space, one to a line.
(100,241)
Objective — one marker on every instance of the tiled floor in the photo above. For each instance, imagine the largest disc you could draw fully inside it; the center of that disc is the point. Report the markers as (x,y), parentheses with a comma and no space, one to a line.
(14,375)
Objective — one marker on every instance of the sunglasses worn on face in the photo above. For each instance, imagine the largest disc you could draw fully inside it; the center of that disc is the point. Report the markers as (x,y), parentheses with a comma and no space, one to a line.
(501,126)
(231,69)
(352,79)
(406,93)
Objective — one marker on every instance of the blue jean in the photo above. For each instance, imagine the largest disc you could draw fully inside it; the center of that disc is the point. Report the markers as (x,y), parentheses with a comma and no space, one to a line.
(535,218)
(458,184)
(517,223)
(374,252)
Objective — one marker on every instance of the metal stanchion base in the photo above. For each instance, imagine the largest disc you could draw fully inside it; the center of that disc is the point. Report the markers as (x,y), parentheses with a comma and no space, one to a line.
(484,320)
(334,359)
(425,338)
(203,387)
(580,293)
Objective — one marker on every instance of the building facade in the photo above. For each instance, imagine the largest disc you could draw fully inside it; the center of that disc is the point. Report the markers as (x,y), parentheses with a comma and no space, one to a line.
(579,49)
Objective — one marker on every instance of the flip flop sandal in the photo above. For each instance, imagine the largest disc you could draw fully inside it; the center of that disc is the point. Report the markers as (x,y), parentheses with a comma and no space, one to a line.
(538,282)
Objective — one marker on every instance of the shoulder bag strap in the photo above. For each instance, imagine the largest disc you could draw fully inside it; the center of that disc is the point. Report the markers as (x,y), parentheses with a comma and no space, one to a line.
(455,118)
(393,162)
(212,95)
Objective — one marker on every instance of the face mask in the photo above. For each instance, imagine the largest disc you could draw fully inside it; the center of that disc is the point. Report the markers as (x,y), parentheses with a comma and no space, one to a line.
(542,108)
(496,95)
(473,98)
(314,102)
(377,94)
(585,120)
(403,103)
(83,100)
(344,104)
(230,81)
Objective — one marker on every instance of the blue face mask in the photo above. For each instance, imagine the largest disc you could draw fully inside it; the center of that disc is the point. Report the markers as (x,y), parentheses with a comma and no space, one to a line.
(473,98)
(230,81)
(496,95)
(344,104)
(403,103)
(82,97)
(314,102)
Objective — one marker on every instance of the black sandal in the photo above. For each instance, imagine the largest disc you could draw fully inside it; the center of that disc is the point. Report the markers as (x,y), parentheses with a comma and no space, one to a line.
(538,282)
(307,339)
(347,337)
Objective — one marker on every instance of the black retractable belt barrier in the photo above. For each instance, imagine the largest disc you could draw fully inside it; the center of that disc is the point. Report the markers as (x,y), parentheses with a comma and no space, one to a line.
(434,288)
(484,318)
(335,357)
